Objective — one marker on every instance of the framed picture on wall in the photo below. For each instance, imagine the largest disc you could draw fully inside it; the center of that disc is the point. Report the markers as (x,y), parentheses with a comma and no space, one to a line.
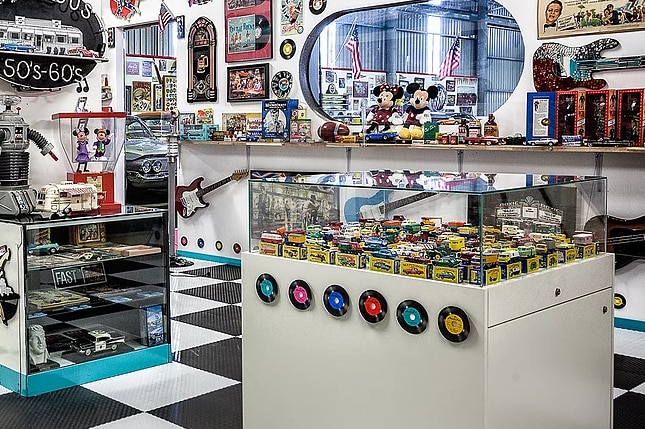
(141,96)
(169,92)
(249,30)
(247,83)
(157,92)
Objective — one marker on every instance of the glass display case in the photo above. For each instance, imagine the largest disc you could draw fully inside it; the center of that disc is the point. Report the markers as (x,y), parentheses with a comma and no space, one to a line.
(90,297)
(472,228)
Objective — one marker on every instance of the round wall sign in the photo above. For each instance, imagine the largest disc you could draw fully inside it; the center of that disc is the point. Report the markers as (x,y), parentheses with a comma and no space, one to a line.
(281,84)
(288,49)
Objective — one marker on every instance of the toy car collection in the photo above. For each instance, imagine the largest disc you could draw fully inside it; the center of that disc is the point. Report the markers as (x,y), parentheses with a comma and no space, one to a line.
(431,249)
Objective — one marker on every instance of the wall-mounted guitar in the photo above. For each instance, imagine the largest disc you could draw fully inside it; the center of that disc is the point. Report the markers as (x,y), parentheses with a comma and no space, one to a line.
(188,199)
(625,237)
(375,207)
(558,67)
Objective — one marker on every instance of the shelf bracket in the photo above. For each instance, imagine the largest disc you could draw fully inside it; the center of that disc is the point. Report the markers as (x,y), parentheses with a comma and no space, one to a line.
(460,161)
(348,159)
(598,164)
(248,157)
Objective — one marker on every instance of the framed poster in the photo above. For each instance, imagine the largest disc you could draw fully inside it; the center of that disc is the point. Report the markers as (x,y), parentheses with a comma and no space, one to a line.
(157,93)
(247,83)
(169,92)
(249,30)
(141,96)
(360,89)
(291,17)
(564,18)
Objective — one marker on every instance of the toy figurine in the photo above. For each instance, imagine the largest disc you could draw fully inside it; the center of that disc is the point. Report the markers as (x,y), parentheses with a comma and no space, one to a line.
(380,114)
(101,142)
(82,154)
(418,112)
(38,353)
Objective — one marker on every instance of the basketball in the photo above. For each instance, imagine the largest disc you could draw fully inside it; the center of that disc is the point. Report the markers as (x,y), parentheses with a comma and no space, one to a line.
(329,130)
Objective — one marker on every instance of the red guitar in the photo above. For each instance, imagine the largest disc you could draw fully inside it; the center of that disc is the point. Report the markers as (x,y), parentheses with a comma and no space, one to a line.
(189,198)
(558,67)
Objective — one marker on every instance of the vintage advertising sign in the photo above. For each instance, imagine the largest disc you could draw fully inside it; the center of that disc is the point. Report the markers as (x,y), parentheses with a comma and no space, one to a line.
(564,18)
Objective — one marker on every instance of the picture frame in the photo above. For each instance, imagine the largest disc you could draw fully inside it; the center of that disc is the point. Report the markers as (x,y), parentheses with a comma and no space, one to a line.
(186,118)
(87,234)
(247,83)
(141,96)
(249,30)
(360,89)
(157,92)
(169,92)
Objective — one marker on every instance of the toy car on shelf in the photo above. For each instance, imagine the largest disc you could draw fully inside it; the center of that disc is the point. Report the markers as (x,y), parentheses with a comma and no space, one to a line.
(381,137)
(608,142)
(484,140)
(542,142)
(43,249)
(97,340)
(516,139)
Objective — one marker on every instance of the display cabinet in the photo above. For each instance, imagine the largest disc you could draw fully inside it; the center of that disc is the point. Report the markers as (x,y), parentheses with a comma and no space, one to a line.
(90,295)
(488,305)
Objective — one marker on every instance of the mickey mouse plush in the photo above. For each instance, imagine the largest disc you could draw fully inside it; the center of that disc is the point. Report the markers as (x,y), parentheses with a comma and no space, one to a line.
(418,112)
(380,114)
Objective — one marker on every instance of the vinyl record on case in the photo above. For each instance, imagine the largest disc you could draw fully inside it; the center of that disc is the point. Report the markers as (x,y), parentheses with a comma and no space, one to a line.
(412,317)
(281,84)
(454,324)
(262,32)
(287,49)
(267,288)
(372,306)
(300,294)
(317,6)
(619,301)
(336,300)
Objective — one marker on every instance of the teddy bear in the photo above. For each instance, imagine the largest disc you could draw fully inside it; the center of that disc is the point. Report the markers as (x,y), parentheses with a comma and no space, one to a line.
(418,112)
(383,110)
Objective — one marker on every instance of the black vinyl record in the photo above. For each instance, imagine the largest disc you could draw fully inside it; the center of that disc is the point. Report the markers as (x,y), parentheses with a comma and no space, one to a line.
(412,317)
(300,294)
(281,84)
(287,49)
(262,32)
(372,306)
(317,6)
(454,324)
(267,288)
(336,300)
(619,301)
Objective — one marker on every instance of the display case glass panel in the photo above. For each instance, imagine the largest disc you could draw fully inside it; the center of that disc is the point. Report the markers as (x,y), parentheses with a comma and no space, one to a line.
(94,287)
(477,228)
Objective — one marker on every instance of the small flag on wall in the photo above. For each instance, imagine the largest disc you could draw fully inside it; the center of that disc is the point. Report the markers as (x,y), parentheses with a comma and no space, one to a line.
(353,47)
(452,60)
(165,16)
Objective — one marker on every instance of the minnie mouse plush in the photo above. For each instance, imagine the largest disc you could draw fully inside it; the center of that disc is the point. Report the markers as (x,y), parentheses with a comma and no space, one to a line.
(418,112)
(380,114)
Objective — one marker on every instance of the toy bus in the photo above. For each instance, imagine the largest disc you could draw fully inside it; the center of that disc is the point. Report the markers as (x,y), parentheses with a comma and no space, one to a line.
(68,198)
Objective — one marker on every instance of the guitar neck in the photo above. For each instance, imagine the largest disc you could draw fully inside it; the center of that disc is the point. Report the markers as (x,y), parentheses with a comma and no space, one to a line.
(212,187)
(408,200)
(628,62)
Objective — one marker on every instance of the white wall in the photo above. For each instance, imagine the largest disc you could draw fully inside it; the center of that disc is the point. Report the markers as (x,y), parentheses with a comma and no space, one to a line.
(227,220)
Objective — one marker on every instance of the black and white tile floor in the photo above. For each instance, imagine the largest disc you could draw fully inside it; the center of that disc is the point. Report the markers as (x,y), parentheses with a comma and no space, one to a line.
(201,388)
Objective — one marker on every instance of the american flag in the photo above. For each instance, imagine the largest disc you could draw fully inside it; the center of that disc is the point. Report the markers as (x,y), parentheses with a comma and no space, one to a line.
(451,61)
(165,16)
(354,49)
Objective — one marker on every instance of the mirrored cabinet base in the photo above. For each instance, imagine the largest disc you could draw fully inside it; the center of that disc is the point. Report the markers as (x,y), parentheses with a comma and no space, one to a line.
(82,298)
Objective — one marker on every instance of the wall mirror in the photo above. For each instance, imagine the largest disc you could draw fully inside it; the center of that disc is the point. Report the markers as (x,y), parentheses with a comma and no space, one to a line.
(408,43)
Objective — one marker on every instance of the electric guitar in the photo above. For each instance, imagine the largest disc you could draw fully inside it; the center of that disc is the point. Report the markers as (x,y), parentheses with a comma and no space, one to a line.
(625,237)
(188,199)
(375,207)
(558,67)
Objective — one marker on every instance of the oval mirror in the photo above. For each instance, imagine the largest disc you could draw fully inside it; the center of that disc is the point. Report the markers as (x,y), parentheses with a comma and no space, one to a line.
(472,52)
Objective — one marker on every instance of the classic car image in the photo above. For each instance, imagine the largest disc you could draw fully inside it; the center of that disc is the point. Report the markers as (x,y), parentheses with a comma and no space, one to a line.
(97,340)
(82,52)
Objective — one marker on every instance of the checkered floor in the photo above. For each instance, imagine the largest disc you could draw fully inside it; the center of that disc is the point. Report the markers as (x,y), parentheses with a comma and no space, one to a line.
(202,387)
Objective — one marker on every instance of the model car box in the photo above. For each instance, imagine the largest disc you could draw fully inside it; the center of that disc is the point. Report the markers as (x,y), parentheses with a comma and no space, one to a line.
(491,275)
(540,115)
(448,274)
(631,115)
(272,249)
(551,259)
(511,270)
(566,255)
(322,256)
(294,252)
(530,265)
(586,251)
(351,260)
(600,114)
(416,269)
(569,113)
(384,265)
